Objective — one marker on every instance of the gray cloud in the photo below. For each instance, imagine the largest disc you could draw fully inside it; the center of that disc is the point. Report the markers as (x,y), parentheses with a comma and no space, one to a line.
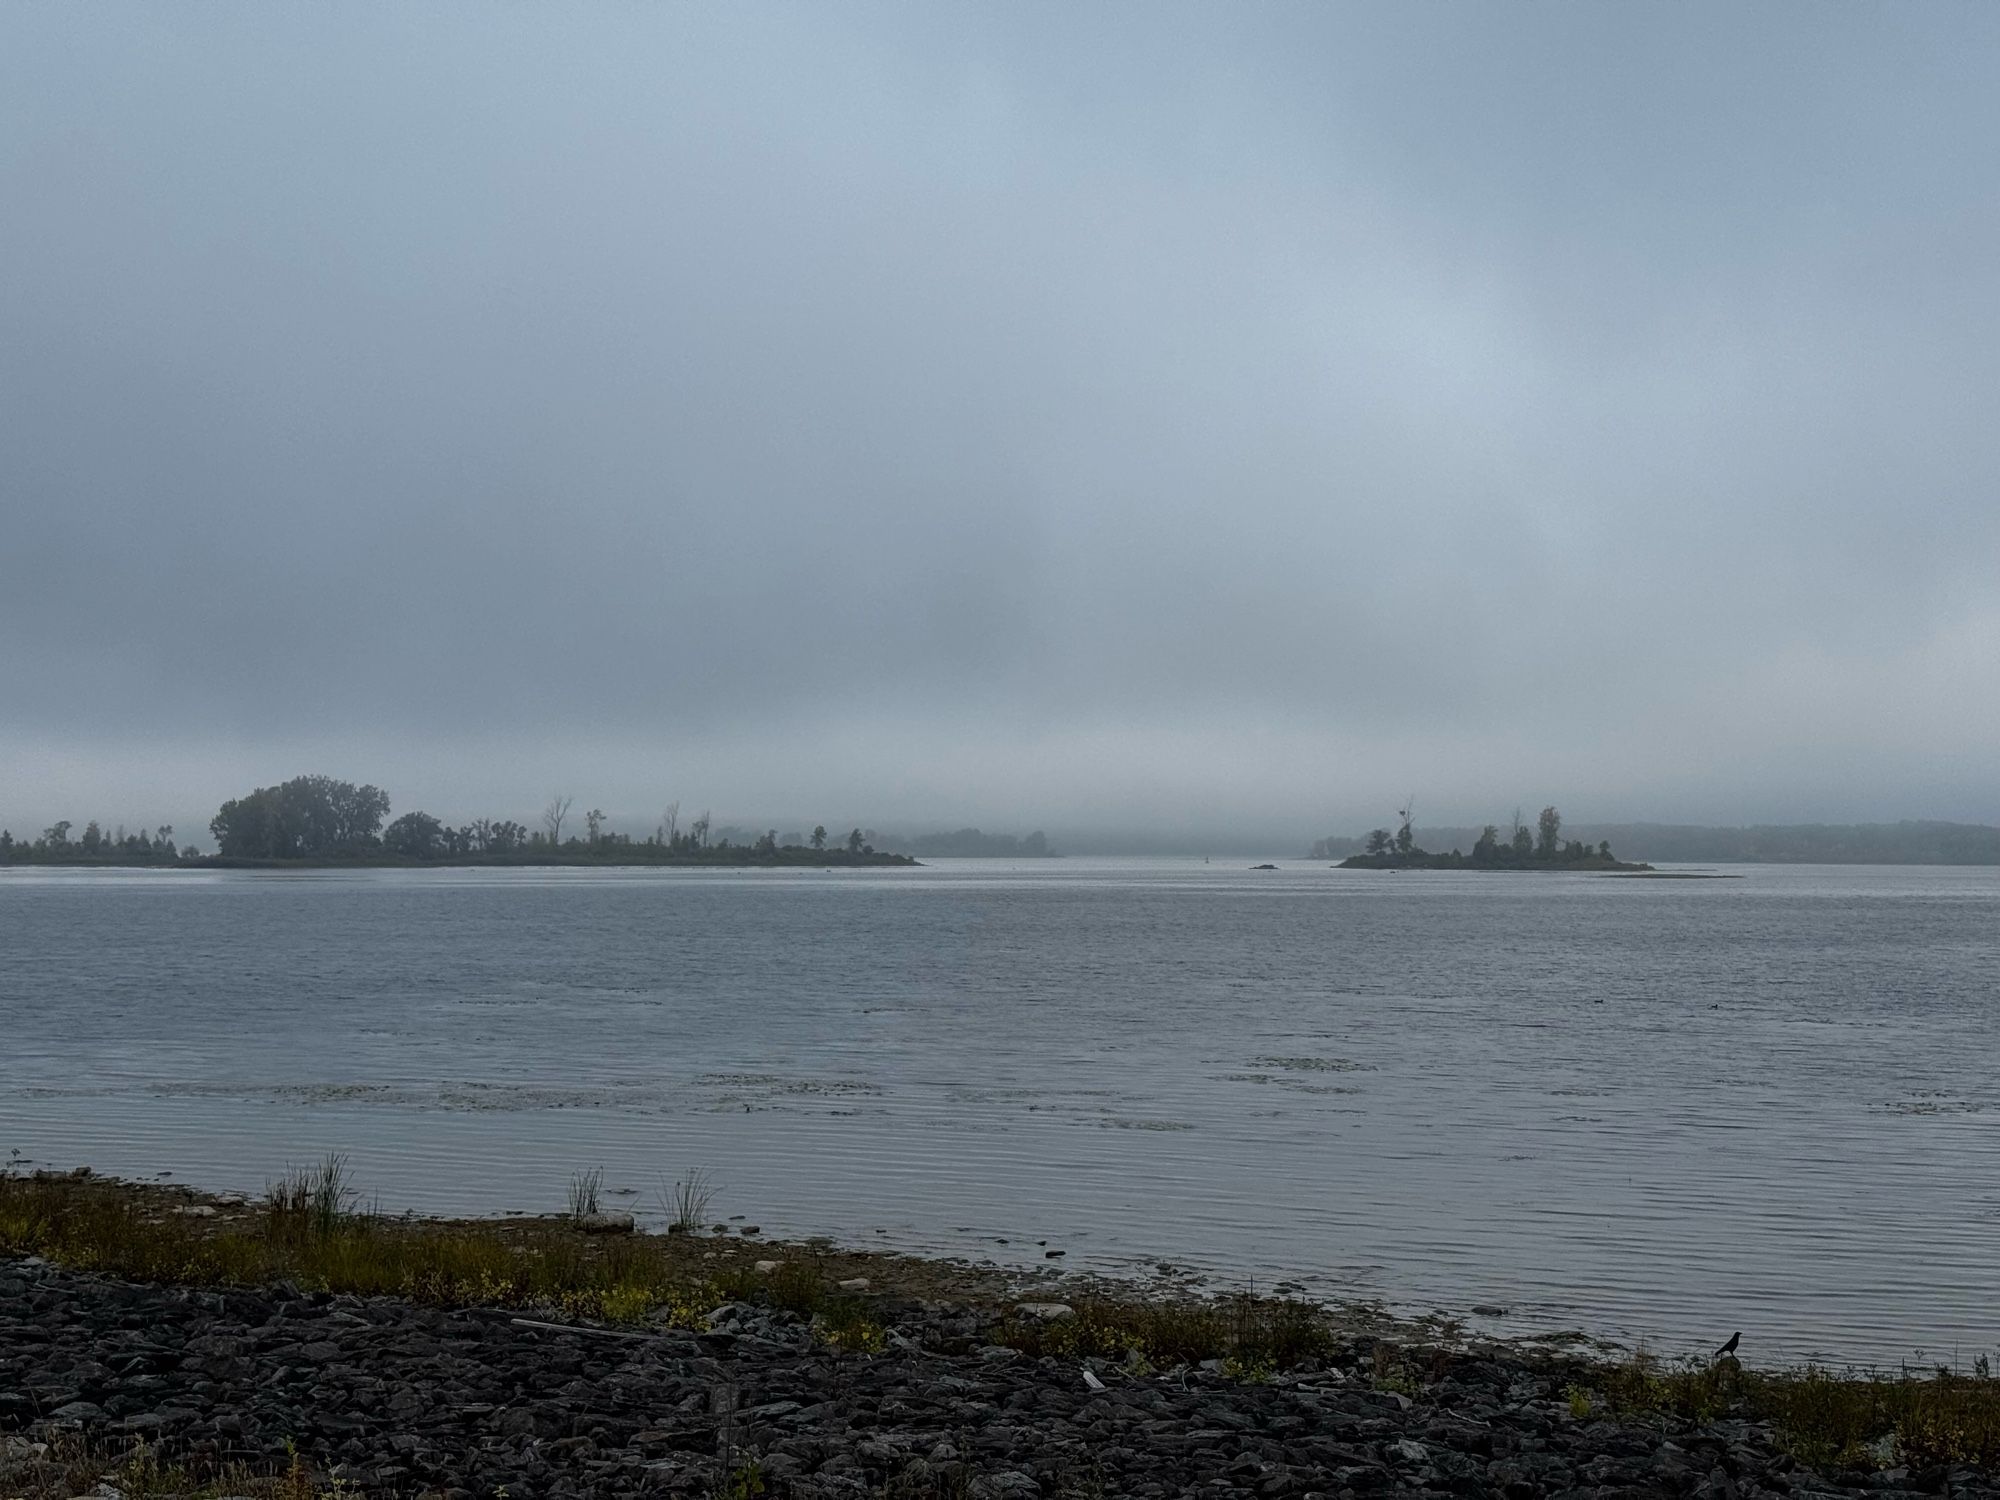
(1021,413)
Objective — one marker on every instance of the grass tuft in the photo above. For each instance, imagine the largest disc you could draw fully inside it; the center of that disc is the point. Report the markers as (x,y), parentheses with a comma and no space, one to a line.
(311,1202)
(686,1204)
(583,1191)
(1259,1334)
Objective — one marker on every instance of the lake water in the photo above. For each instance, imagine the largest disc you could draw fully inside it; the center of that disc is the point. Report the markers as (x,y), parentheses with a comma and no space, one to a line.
(1661,1109)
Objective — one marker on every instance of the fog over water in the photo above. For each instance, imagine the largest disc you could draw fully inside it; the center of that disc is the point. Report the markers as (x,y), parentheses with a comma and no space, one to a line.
(1119,417)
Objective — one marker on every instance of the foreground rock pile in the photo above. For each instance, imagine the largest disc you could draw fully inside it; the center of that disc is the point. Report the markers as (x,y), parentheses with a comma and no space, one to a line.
(390,1398)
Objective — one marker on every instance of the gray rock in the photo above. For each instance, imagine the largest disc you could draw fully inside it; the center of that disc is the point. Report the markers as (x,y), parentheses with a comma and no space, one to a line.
(1044,1312)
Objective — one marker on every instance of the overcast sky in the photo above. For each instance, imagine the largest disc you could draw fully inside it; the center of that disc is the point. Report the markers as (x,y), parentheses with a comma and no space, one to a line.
(1031,415)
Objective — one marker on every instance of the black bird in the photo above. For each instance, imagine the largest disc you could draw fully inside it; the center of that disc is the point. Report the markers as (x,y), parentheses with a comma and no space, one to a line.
(1730,1347)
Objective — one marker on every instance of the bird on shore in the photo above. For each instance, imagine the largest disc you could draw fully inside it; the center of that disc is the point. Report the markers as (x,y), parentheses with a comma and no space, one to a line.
(1730,1347)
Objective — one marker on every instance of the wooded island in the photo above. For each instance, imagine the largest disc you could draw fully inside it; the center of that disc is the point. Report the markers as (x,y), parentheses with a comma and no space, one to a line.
(318,820)
(1541,849)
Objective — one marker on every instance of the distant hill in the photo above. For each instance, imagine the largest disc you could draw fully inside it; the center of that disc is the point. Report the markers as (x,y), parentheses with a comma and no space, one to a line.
(1914,843)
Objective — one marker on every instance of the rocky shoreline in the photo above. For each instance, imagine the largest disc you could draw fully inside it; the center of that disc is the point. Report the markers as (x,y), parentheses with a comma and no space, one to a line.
(384,1397)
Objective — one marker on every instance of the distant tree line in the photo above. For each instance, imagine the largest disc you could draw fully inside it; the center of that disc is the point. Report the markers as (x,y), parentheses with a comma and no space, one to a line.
(319,818)
(322,820)
(95,846)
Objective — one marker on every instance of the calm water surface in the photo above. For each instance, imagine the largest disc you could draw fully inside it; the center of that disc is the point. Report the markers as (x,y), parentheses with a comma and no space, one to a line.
(1666,1109)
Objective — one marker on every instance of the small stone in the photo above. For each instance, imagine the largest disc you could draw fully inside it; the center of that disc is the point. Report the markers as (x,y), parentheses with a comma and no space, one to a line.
(854,1284)
(605,1223)
(766,1267)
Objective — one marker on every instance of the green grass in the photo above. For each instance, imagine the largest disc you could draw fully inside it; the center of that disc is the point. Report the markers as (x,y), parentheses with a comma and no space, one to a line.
(308,1233)
(1826,1420)
(1255,1334)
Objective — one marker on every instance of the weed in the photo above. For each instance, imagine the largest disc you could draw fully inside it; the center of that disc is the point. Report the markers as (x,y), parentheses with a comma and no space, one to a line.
(843,1323)
(687,1203)
(1254,1331)
(310,1202)
(1827,1421)
(796,1288)
(1249,1371)
(68,1463)
(1388,1371)
(100,1227)
(583,1190)
(1580,1403)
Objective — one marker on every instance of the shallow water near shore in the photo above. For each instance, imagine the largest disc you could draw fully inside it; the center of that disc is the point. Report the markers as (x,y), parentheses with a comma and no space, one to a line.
(1658,1109)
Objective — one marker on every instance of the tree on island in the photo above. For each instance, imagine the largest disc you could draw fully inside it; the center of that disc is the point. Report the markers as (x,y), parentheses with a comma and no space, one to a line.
(417,835)
(308,817)
(819,836)
(553,815)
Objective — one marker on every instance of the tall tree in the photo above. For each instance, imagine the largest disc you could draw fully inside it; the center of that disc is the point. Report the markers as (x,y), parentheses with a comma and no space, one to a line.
(415,835)
(308,817)
(553,815)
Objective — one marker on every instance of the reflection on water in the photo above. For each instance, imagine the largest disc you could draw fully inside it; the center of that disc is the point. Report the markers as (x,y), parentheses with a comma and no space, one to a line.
(1662,1109)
